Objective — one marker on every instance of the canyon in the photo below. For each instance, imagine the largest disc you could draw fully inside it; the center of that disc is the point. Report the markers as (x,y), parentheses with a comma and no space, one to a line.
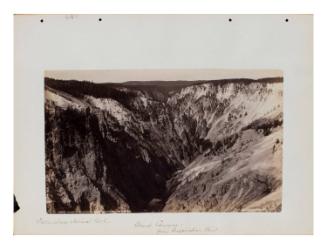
(164,146)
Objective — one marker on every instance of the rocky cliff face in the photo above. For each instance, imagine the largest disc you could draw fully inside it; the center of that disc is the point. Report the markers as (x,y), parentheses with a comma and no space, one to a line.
(190,146)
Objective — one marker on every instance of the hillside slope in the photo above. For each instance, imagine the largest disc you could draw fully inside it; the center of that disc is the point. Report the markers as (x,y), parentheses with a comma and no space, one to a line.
(207,146)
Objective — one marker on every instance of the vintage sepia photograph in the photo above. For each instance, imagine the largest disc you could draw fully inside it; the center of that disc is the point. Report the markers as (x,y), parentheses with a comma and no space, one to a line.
(163,140)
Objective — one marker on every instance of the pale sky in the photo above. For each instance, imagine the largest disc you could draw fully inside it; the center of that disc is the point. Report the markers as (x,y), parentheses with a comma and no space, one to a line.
(117,76)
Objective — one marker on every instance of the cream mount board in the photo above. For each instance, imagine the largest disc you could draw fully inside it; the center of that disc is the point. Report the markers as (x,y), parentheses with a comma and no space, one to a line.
(214,175)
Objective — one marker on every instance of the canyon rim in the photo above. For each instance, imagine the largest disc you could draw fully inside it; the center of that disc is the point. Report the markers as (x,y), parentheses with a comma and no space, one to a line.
(163,141)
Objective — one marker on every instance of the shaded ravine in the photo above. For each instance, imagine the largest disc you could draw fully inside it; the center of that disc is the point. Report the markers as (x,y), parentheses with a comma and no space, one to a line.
(124,159)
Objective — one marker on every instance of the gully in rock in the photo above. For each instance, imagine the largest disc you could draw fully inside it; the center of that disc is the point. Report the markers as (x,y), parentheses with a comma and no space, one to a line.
(164,146)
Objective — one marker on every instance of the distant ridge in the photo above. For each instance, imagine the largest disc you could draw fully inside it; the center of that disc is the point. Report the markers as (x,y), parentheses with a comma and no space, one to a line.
(157,89)
(178,82)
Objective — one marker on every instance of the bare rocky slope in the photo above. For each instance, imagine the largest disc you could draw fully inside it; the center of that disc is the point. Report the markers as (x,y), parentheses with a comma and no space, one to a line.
(164,146)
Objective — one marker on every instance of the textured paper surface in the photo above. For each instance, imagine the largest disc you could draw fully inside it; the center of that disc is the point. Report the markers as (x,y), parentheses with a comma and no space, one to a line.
(163,42)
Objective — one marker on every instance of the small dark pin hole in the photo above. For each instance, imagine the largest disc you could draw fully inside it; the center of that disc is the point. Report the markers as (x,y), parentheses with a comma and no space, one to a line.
(286,20)
(41,20)
(230,19)
(100,19)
